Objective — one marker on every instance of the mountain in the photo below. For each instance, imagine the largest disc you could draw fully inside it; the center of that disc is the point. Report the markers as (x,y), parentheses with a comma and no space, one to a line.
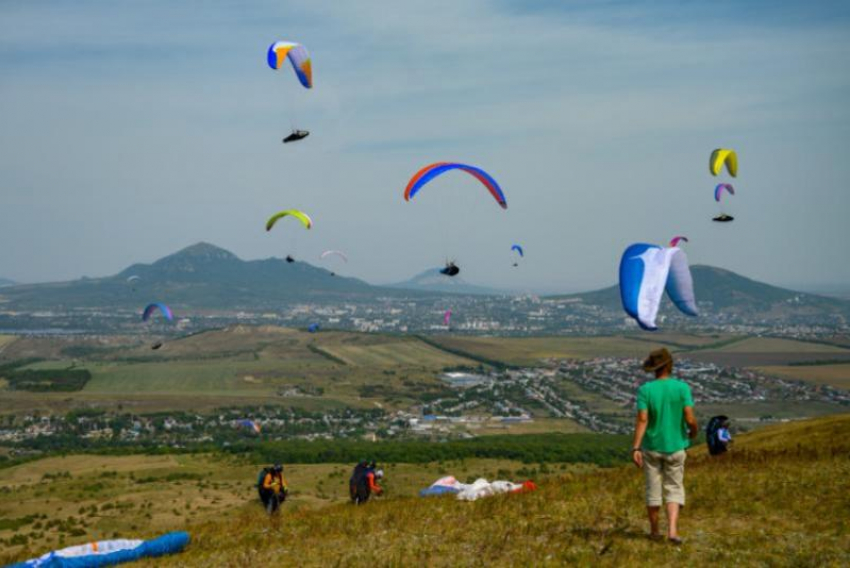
(432,281)
(6,282)
(199,276)
(719,290)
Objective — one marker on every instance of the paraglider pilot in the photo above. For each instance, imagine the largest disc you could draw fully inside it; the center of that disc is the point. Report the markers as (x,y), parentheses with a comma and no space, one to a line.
(273,490)
(451,269)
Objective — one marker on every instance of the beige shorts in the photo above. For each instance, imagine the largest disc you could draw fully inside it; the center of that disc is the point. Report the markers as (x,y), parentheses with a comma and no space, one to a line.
(665,473)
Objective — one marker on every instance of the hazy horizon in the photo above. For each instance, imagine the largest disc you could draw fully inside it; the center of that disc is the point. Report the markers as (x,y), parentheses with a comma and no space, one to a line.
(130,131)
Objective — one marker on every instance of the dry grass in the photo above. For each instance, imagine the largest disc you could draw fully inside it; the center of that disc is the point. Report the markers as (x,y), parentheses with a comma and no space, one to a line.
(782,498)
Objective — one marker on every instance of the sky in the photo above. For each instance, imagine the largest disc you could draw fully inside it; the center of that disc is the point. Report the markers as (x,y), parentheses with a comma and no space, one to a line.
(129,130)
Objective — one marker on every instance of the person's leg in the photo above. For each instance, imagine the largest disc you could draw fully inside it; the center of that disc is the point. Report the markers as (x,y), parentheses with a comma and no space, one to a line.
(652,512)
(652,470)
(674,490)
(673,520)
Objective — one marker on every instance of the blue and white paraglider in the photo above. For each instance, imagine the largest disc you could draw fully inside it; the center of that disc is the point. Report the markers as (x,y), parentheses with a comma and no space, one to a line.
(109,552)
(646,271)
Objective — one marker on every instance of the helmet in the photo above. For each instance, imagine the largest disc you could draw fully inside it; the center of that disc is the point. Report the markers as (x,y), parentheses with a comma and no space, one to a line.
(379,474)
(277,468)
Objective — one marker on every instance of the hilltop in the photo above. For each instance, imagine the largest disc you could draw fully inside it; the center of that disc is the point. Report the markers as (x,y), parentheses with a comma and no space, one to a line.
(205,278)
(432,281)
(199,276)
(723,293)
(781,497)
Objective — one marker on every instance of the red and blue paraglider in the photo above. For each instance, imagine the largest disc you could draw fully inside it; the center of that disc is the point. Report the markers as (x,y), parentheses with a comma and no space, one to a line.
(428,173)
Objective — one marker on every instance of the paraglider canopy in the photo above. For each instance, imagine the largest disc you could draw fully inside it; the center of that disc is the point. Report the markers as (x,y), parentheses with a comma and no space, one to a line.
(723,218)
(674,242)
(313,328)
(428,173)
(722,156)
(294,213)
(518,249)
(289,258)
(297,55)
(296,135)
(718,191)
(646,271)
(151,308)
(156,345)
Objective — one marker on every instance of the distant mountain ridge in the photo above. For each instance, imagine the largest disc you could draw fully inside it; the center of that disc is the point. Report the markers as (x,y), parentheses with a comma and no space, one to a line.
(432,281)
(199,276)
(7,282)
(725,291)
(207,277)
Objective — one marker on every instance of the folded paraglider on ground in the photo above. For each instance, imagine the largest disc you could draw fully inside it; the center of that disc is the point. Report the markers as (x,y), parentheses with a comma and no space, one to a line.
(474,491)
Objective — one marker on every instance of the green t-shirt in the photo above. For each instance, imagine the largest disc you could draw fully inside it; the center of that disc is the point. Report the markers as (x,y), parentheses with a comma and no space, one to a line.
(665,401)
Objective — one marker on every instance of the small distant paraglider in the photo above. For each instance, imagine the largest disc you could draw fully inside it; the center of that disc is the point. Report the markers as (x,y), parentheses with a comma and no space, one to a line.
(313,328)
(328,254)
(517,249)
(451,269)
(721,157)
(151,308)
(674,242)
(156,345)
(249,425)
(447,319)
(131,280)
(719,191)
(290,259)
(296,135)
(646,271)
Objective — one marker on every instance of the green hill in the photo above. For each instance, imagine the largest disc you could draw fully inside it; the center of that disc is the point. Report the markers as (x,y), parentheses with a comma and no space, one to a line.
(781,498)
(200,276)
(724,293)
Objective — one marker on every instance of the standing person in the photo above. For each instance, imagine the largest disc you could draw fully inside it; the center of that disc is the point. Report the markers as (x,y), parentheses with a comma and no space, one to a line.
(665,424)
(356,478)
(274,488)
(367,484)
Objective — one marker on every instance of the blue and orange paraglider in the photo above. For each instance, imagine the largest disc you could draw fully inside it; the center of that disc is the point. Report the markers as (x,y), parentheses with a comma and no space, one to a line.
(428,173)
(151,308)
(297,55)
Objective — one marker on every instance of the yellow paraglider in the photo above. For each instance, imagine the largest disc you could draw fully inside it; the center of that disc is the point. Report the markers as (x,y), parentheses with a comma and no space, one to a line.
(300,215)
(723,156)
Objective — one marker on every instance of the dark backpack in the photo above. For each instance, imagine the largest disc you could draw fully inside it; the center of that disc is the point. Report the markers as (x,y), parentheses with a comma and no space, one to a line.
(262,477)
(715,445)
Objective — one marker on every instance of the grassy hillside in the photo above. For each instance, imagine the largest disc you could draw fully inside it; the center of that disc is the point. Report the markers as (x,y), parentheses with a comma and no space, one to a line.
(781,498)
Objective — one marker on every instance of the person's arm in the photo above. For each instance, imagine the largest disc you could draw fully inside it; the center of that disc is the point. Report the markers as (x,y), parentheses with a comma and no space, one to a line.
(641,422)
(691,421)
(267,481)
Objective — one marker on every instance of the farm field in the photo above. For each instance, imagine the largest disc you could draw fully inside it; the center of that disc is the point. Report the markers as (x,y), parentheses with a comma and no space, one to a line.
(529,351)
(837,376)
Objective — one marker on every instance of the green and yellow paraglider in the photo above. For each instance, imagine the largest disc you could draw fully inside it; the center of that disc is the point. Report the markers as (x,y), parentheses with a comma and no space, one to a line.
(300,215)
